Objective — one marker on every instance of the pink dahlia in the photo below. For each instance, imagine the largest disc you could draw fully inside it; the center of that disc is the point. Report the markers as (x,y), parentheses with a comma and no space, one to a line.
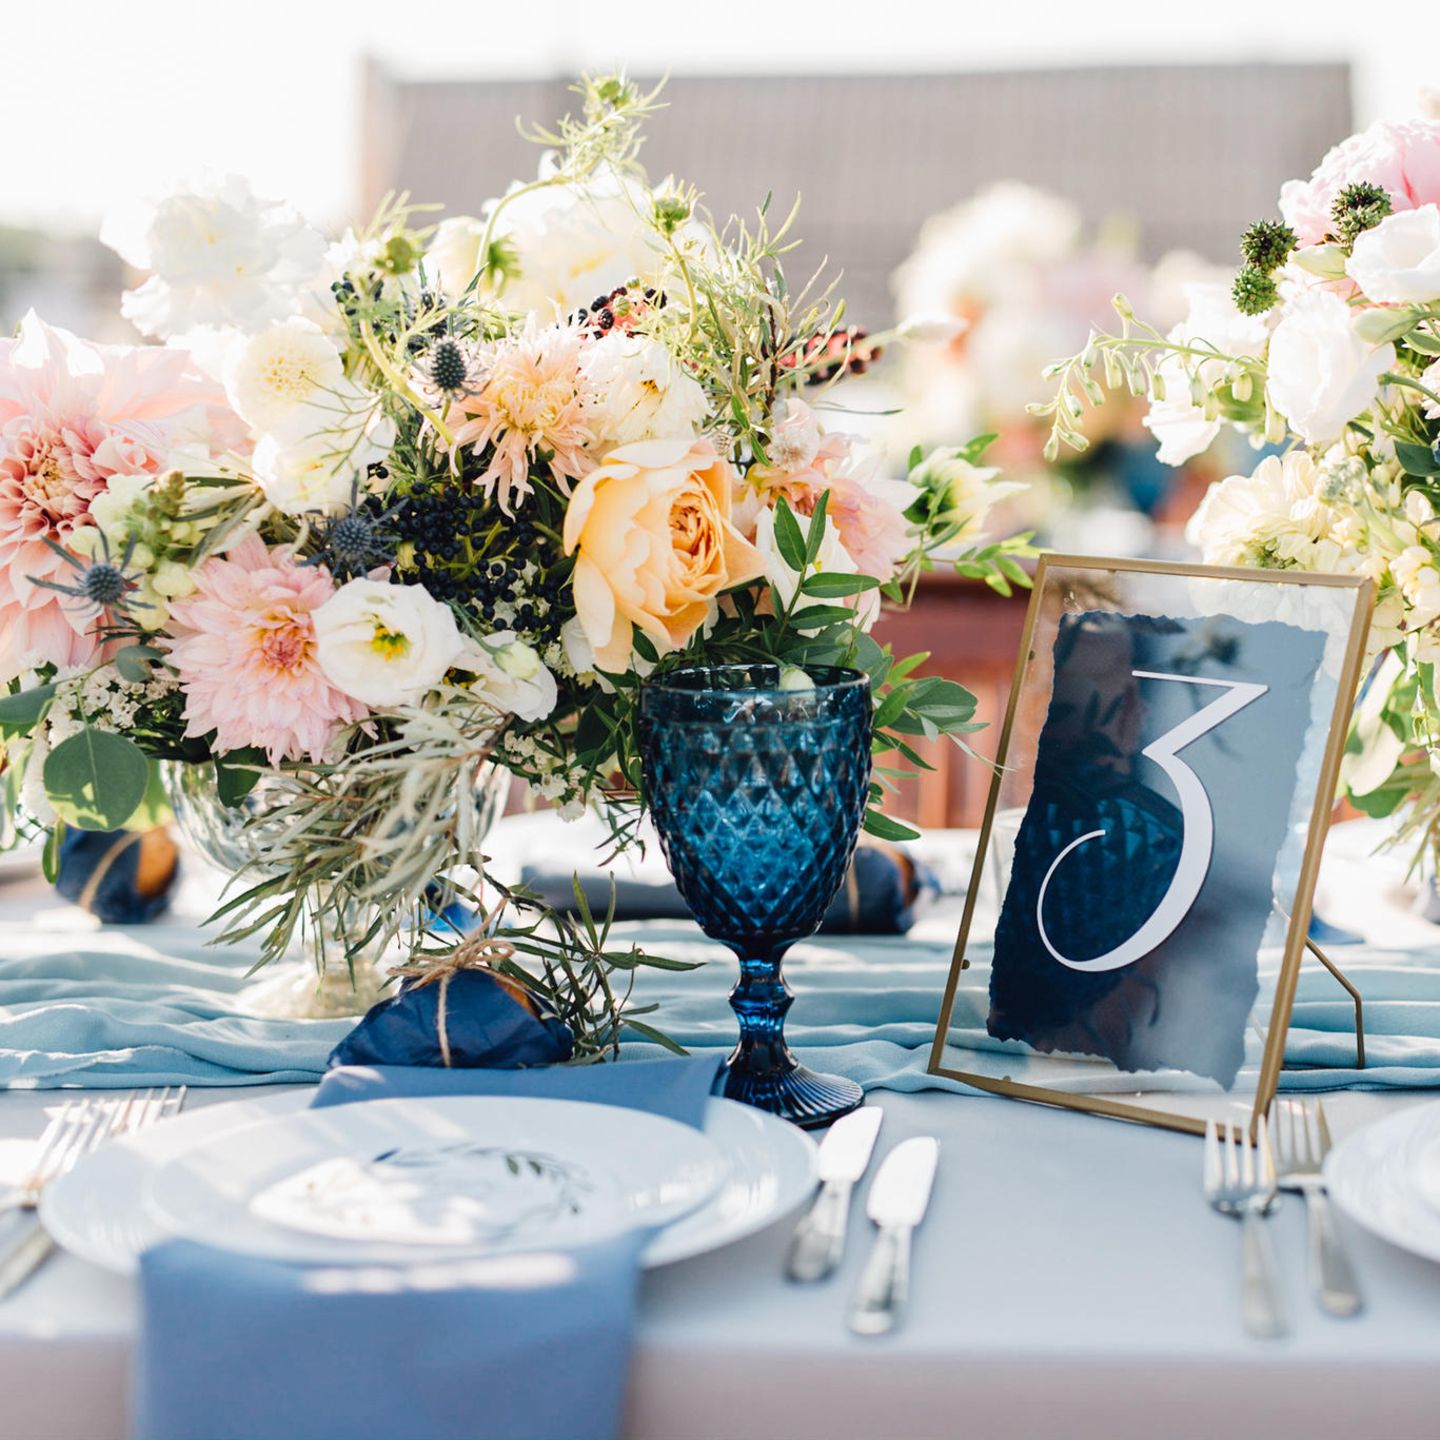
(1402,157)
(73,414)
(244,644)
(530,408)
(866,509)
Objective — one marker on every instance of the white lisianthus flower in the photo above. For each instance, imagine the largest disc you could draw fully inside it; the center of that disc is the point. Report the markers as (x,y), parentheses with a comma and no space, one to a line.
(1177,422)
(454,253)
(284,366)
(637,390)
(511,676)
(968,492)
(832,559)
(385,645)
(221,258)
(320,453)
(1322,374)
(1397,262)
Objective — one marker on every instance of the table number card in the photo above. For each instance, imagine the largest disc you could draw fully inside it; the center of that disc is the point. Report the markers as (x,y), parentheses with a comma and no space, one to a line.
(1170,754)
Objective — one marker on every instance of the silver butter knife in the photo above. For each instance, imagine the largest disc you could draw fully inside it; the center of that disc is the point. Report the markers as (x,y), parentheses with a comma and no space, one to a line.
(844,1153)
(896,1203)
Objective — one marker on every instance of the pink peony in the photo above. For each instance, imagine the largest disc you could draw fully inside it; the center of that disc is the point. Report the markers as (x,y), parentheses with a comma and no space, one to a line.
(244,645)
(1403,157)
(73,414)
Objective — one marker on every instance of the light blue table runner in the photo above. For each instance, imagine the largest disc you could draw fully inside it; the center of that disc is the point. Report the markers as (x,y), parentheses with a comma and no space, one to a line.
(155,1005)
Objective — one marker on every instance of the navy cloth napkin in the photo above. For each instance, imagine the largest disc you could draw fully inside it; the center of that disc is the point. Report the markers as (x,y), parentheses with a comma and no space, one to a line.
(514,1347)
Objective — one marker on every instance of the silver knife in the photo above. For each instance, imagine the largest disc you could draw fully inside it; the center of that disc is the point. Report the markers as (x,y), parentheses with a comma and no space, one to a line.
(898,1196)
(844,1153)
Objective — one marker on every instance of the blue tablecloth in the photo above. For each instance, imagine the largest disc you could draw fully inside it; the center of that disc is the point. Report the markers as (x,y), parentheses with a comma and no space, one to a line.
(154,1005)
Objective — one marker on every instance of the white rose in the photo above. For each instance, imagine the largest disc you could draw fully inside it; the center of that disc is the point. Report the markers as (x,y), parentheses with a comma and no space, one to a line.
(454,253)
(222,258)
(1322,374)
(637,390)
(1397,262)
(1271,517)
(1419,582)
(574,242)
(1177,422)
(833,559)
(284,366)
(510,675)
(320,453)
(385,645)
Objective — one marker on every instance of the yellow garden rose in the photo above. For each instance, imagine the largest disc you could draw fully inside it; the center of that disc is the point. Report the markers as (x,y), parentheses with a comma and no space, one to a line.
(656,546)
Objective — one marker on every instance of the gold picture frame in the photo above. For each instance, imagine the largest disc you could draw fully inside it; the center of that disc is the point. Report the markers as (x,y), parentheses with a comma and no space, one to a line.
(1298,919)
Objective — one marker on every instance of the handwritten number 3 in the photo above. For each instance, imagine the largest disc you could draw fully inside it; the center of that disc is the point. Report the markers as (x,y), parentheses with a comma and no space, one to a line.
(1197,827)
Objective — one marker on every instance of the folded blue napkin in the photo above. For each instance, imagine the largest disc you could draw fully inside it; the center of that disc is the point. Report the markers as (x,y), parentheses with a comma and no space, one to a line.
(518,1347)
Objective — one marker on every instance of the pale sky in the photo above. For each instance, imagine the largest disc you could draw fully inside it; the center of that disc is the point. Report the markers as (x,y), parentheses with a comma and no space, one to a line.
(103,99)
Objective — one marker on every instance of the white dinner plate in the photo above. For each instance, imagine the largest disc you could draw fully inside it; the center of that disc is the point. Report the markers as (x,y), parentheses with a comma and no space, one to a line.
(481,1174)
(1379,1177)
(99,1212)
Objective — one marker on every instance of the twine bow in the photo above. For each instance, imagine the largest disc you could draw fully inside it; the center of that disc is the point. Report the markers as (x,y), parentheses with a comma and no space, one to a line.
(478,952)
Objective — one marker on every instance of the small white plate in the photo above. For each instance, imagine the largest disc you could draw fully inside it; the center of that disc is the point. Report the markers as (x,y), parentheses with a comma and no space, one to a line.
(479,1174)
(1380,1177)
(98,1210)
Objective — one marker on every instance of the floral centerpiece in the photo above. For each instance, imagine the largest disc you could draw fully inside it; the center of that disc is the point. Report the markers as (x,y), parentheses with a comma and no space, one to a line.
(385,515)
(1017,277)
(1325,350)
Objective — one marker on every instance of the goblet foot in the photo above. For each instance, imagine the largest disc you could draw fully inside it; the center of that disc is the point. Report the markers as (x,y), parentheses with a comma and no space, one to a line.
(802,1096)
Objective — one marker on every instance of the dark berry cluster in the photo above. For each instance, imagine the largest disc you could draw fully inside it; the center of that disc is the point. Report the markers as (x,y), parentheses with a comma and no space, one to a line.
(1359,207)
(618,310)
(438,523)
(823,357)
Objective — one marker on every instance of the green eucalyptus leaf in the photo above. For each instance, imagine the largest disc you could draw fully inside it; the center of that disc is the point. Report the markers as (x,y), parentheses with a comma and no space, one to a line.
(1423,343)
(1417,459)
(236,774)
(133,662)
(23,710)
(96,780)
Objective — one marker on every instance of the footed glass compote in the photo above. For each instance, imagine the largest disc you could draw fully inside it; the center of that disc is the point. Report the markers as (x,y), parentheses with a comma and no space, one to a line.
(758,793)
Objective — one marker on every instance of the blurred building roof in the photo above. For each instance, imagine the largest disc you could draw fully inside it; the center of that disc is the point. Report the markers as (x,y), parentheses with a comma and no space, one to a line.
(1191,154)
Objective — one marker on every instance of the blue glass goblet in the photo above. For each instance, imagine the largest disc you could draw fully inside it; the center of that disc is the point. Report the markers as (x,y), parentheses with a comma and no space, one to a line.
(758,794)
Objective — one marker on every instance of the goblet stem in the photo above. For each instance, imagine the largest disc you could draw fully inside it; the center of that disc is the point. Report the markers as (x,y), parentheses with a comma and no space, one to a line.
(761,1071)
(760,1000)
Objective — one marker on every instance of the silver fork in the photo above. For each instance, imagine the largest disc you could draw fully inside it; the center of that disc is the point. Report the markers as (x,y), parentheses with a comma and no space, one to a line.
(1302,1140)
(1240,1181)
(80,1127)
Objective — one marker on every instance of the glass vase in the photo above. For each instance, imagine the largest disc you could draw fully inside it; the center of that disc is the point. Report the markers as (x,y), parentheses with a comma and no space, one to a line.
(232,838)
(758,794)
